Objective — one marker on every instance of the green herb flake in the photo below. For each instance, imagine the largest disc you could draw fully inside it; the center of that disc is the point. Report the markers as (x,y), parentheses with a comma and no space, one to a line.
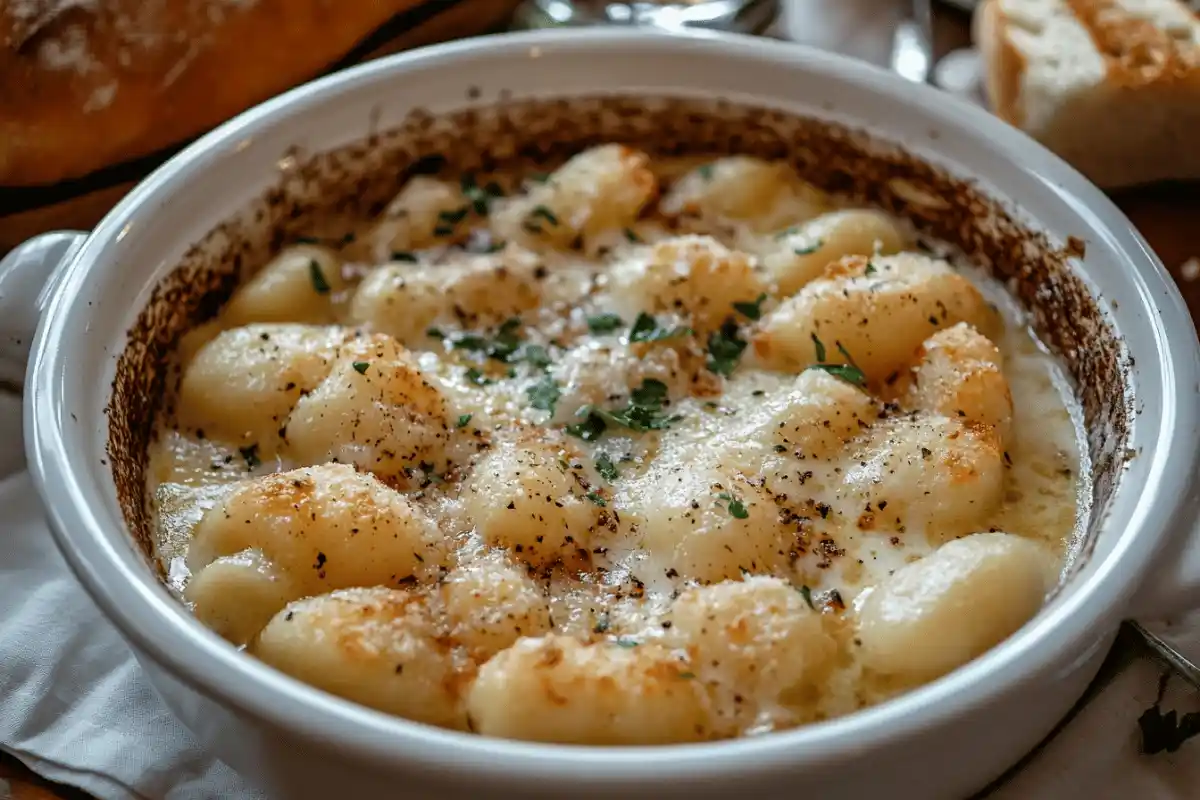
(597,498)
(535,355)
(317,277)
(544,395)
(606,468)
(812,248)
(647,329)
(454,216)
(820,348)
(806,593)
(870,270)
(541,212)
(751,310)
(462,421)
(847,372)
(725,347)
(404,255)
(626,643)
(604,323)
(435,333)
(737,509)
(539,177)
(631,236)
(602,623)
(687,676)
(592,427)
(705,171)
(361,367)
(250,454)
(476,377)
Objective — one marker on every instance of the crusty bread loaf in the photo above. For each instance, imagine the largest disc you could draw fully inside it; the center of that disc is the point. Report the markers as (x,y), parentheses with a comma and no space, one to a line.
(88,83)
(1112,86)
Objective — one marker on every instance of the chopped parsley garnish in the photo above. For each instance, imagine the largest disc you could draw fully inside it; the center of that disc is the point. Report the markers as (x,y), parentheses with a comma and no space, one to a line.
(541,212)
(725,347)
(631,235)
(462,421)
(319,284)
(705,171)
(606,468)
(476,377)
(502,346)
(404,255)
(307,240)
(601,624)
(480,197)
(361,367)
(250,454)
(596,498)
(812,248)
(849,372)
(592,427)
(620,642)
(737,509)
(604,323)
(435,333)
(806,593)
(870,270)
(536,355)
(820,348)
(454,216)
(644,413)
(544,394)
(647,329)
(751,310)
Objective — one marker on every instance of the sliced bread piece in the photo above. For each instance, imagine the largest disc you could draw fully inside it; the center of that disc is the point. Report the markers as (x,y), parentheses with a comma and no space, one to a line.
(1112,86)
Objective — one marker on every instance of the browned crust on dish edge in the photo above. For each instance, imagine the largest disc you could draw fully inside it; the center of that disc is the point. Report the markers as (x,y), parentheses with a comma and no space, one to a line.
(358,179)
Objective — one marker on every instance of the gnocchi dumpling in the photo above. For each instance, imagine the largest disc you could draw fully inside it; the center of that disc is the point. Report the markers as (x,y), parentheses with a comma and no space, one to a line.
(527,499)
(298,285)
(959,374)
(927,473)
(426,211)
(875,311)
(768,195)
(694,276)
(596,191)
(380,647)
(491,602)
(798,255)
(558,689)
(477,291)
(938,613)
(758,648)
(816,417)
(374,410)
(241,386)
(702,525)
(236,595)
(305,532)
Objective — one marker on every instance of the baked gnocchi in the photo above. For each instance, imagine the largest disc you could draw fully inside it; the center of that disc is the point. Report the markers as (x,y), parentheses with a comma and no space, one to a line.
(638,451)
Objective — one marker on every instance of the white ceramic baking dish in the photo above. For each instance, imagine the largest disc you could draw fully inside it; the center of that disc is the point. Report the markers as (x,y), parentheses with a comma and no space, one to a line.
(101,317)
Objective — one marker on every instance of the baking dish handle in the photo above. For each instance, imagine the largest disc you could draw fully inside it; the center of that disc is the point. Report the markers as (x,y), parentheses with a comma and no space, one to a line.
(28,275)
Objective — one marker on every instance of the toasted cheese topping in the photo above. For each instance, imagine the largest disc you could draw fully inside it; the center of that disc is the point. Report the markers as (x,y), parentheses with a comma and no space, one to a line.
(634,453)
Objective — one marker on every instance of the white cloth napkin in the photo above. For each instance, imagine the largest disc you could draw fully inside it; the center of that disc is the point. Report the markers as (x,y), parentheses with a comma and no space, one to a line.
(76,708)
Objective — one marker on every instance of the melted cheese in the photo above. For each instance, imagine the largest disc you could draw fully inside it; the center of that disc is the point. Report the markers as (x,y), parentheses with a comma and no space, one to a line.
(627,472)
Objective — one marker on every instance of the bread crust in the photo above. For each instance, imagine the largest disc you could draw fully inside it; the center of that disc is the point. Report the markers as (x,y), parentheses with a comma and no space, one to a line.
(89,83)
(1004,65)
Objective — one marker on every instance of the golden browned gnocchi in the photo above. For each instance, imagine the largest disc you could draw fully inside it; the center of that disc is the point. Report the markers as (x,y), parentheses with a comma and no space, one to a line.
(629,451)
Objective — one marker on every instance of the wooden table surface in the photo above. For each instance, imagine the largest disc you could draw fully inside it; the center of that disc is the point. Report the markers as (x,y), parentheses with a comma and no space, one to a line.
(1168,215)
